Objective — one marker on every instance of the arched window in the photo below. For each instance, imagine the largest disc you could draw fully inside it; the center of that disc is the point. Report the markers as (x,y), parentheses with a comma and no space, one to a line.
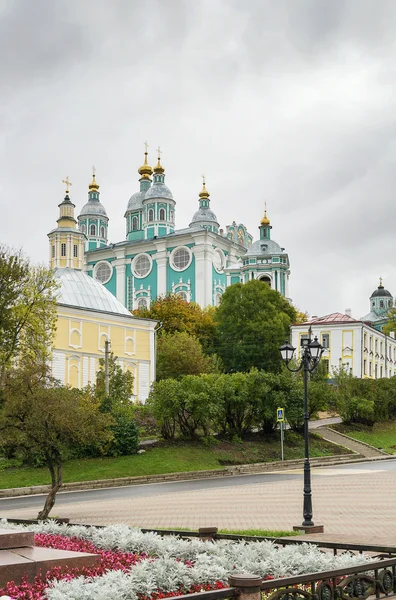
(162,214)
(381,304)
(266,279)
(92,230)
(182,295)
(83,228)
(102,232)
(142,303)
(134,224)
(151,215)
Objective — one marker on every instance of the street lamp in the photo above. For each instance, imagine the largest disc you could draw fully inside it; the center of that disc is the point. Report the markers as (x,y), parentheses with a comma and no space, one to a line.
(311,355)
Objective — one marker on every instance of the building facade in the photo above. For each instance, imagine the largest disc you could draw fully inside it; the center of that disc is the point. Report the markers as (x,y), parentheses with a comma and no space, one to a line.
(196,263)
(349,344)
(381,302)
(89,315)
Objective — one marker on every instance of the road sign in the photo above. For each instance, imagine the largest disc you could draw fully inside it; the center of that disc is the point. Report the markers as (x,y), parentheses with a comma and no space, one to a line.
(280,415)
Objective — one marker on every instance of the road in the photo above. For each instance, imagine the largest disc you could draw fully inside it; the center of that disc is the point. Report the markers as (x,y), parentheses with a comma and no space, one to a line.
(346,498)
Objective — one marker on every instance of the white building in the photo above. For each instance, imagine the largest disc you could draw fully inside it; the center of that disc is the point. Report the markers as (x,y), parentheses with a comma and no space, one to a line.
(353,345)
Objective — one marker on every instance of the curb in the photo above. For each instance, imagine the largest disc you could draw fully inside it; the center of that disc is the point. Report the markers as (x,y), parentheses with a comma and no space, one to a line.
(251,469)
(349,437)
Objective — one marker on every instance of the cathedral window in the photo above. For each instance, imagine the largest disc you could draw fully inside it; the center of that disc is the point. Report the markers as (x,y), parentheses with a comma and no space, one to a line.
(142,303)
(381,304)
(83,228)
(218,260)
(75,251)
(142,265)
(92,230)
(102,232)
(162,214)
(63,249)
(181,258)
(53,251)
(134,224)
(150,215)
(182,296)
(103,271)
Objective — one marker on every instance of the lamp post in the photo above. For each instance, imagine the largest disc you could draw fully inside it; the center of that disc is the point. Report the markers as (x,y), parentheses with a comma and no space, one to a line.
(311,355)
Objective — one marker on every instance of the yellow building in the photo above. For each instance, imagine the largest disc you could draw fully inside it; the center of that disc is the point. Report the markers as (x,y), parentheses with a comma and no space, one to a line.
(89,315)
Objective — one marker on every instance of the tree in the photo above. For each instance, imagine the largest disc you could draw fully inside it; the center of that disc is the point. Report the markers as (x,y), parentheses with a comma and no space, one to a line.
(120,382)
(180,354)
(178,315)
(391,324)
(42,418)
(252,321)
(27,309)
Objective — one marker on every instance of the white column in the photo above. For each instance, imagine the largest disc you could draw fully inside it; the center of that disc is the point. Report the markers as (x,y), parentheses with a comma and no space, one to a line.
(161,258)
(120,280)
(200,279)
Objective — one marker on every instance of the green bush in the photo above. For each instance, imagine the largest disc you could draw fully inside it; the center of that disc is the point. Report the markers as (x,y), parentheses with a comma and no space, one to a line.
(358,410)
(125,432)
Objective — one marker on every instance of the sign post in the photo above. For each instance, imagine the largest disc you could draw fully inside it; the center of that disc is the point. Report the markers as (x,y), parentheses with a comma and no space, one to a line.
(280,417)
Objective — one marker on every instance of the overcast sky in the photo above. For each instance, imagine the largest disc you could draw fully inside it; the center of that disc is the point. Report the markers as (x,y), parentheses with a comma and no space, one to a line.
(291,102)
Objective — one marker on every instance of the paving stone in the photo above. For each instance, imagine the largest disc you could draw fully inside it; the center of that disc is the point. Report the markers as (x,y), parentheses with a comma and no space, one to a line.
(15,539)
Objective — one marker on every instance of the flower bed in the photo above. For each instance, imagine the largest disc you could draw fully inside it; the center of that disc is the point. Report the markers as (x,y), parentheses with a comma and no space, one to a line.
(145,566)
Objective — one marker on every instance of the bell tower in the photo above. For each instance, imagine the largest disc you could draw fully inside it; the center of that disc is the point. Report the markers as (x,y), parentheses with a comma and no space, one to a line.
(66,242)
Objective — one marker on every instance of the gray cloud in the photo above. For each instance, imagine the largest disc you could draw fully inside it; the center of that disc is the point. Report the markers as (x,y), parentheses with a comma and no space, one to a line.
(289,101)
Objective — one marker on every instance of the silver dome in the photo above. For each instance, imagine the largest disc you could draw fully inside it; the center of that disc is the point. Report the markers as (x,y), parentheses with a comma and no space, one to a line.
(264,247)
(159,190)
(136,200)
(79,289)
(204,214)
(94,207)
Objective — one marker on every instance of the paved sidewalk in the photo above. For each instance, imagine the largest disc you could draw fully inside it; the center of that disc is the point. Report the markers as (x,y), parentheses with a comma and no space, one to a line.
(354,445)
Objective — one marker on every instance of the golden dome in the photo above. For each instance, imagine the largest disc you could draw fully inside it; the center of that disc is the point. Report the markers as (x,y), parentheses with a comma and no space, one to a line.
(145,170)
(93,186)
(265,220)
(204,192)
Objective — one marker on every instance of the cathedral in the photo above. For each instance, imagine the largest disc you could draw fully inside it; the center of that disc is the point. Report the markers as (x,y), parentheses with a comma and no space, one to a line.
(196,263)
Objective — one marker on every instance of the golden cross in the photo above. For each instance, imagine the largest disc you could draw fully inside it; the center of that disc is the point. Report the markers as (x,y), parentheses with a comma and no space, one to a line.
(94,170)
(67,183)
(380,281)
(203,179)
(146,146)
(159,152)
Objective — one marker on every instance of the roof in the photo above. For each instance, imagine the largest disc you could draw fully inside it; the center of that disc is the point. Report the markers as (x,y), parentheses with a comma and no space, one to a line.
(136,200)
(264,247)
(204,215)
(372,317)
(158,190)
(331,318)
(381,292)
(93,207)
(79,290)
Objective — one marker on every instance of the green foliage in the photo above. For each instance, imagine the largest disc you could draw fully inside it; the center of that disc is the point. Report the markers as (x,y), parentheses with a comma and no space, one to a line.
(45,421)
(120,384)
(232,404)
(252,321)
(27,310)
(125,433)
(358,410)
(180,354)
(177,315)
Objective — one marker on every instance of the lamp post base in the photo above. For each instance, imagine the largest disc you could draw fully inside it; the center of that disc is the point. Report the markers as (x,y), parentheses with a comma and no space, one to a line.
(309,528)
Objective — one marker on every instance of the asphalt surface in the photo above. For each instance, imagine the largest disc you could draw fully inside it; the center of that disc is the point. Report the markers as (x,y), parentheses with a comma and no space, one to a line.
(65,499)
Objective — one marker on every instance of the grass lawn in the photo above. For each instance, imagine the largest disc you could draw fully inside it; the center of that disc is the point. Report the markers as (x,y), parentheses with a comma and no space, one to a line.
(382,435)
(172,457)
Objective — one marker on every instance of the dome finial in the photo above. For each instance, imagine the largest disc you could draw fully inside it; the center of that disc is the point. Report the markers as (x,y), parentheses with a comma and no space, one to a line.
(67,183)
(380,285)
(204,192)
(159,169)
(93,186)
(145,170)
(265,220)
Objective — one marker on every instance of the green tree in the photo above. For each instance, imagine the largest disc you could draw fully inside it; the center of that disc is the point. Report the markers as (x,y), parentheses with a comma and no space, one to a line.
(27,309)
(44,419)
(180,354)
(120,383)
(252,321)
(177,315)
(118,404)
